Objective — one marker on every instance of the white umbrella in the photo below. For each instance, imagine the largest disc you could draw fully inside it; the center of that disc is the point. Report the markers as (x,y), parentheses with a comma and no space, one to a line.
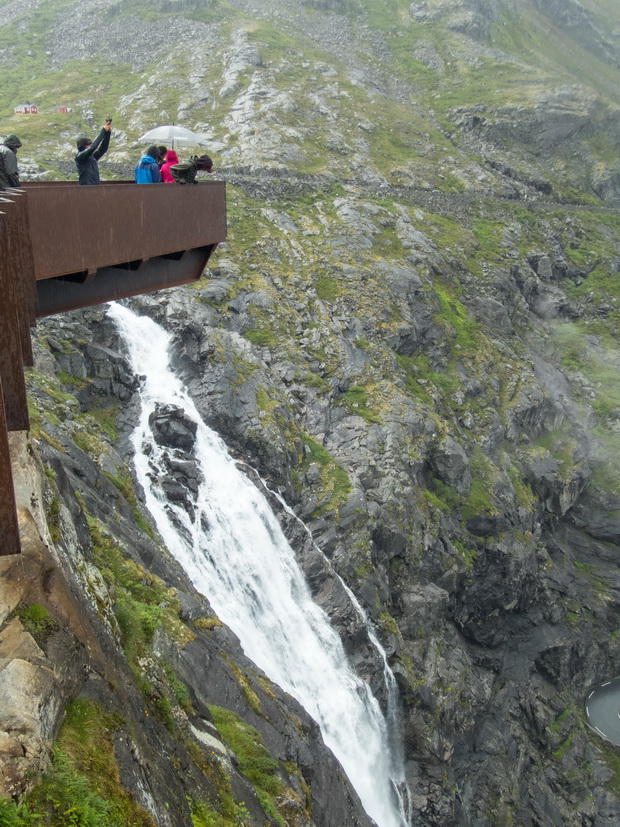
(178,135)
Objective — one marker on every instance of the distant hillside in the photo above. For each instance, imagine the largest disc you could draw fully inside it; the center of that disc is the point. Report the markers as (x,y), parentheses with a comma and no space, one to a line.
(462,95)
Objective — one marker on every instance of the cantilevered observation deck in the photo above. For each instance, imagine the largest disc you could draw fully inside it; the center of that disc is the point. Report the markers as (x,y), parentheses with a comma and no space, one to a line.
(63,247)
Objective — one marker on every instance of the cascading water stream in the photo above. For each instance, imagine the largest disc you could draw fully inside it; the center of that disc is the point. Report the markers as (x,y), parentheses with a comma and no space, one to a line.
(394,719)
(236,554)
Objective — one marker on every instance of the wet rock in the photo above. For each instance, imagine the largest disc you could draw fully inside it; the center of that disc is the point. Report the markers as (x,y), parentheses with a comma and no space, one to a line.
(171,426)
(450,463)
(557,485)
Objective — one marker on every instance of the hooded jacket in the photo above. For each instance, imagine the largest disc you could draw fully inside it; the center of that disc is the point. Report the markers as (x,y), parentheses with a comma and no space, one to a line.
(171,158)
(87,156)
(147,171)
(9,174)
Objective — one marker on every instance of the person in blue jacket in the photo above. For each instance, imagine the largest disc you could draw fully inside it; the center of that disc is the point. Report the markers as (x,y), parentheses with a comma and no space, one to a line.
(89,153)
(147,171)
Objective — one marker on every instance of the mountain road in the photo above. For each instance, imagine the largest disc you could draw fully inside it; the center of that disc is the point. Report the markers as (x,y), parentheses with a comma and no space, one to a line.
(603,710)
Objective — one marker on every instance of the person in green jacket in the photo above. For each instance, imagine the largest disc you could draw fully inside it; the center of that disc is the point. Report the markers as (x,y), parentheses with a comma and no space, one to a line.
(185,173)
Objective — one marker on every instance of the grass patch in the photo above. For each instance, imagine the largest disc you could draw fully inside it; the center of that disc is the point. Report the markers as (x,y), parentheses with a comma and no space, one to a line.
(334,486)
(208,623)
(489,235)
(416,371)
(83,787)
(143,601)
(37,621)
(106,420)
(611,758)
(454,313)
(355,402)
(562,448)
(204,815)
(124,483)
(478,502)
(255,761)
(261,336)
(468,555)
(442,496)
(553,50)
(328,288)
(524,495)
(17,814)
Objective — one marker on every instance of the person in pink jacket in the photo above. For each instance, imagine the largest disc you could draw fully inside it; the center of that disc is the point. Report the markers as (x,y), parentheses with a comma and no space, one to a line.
(171,158)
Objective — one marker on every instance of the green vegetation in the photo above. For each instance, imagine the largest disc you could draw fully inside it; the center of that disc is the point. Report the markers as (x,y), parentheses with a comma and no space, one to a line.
(489,234)
(553,51)
(327,287)
(208,623)
(355,401)
(558,754)
(387,624)
(83,786)
(14,814)
(611,758)
(255,762)
(261,336)
(52,505)
(562,448)
(467,553)
(142,604)
(204,815)
(124,483)
(106,420)
(246,687)
(454,313)
(442,496)
(523,492)
(143,600)
(334,486)
(417,377)
(479,501)
(37,621)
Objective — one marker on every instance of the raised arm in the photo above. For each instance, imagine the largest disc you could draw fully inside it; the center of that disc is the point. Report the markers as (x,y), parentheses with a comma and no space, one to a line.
(107,132)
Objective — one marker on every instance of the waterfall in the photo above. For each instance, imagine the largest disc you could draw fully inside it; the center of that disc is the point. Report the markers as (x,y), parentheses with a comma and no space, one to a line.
(394,716)
(235,552)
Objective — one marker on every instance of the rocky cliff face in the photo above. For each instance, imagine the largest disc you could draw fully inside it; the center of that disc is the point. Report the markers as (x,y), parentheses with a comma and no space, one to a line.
(412,335)
(103,633)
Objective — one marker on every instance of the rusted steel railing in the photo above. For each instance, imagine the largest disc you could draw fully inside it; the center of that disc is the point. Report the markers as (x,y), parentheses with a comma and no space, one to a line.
(64,246)
(16,315)
(120,239)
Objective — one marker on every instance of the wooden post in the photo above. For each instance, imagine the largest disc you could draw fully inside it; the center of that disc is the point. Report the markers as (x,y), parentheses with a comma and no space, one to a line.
(14,321)
(9,526)
(13,404)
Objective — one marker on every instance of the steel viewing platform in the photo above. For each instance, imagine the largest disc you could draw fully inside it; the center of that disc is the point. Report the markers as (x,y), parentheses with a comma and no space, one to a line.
(64,246)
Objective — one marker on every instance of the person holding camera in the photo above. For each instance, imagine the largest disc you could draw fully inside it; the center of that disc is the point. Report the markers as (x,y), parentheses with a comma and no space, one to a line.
(89,152)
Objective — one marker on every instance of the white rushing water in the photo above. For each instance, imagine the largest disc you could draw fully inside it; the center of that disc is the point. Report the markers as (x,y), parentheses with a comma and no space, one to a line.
(236,554)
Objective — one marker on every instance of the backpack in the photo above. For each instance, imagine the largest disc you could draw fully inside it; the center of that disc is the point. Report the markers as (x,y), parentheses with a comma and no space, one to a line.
(185,173)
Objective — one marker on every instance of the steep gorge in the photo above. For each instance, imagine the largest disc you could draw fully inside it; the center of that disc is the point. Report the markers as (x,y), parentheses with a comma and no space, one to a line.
(420,355)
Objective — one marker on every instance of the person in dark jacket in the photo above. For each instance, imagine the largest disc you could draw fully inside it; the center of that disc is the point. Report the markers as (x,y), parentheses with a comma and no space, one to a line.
(9,174)
(90,152)
(186,173)
(147,171)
